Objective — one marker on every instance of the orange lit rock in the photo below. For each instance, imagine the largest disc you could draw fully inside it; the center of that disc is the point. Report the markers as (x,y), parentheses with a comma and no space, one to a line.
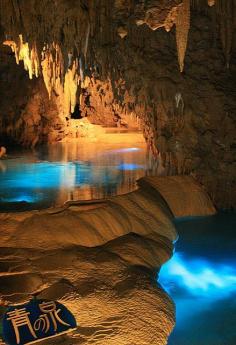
(2,151)
(101,262)
(211,2)
(70,88)
(25,54)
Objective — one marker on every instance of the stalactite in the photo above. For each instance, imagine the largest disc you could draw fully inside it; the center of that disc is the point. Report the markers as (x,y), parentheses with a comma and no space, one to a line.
(14,48)
(182,30)
(35,61)
(46,64)
(86,41)
(23,53)
(52,68)
(81,67)
(53,75)
(70,88)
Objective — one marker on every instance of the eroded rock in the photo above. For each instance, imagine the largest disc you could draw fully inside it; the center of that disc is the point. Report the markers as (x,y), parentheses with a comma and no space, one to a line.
(101,263)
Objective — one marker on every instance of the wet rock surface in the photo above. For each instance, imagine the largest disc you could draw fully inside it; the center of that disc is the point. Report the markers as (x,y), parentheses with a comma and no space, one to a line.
(101,263)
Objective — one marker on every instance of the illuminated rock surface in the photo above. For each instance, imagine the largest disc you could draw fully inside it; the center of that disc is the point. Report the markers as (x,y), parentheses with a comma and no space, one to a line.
(176,190)
(101,262)
(119,63)
(166,67)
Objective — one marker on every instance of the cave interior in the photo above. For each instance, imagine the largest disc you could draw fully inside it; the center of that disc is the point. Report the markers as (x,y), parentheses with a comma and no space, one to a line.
(118,138)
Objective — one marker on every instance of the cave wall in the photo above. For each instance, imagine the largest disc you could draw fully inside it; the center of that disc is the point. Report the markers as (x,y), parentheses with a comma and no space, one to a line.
(27,116)
(123,56)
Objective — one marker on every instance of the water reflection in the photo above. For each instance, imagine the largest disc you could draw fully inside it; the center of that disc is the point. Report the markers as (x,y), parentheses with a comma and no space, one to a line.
(80,170)
(201,279)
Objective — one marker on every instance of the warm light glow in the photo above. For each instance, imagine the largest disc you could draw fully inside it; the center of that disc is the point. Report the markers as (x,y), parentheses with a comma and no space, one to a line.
(81,169)
(211,2)
(70,88)
(52,67)
(24,53)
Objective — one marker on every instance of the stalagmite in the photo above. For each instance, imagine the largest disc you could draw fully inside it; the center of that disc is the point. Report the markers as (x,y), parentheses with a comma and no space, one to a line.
(182,30)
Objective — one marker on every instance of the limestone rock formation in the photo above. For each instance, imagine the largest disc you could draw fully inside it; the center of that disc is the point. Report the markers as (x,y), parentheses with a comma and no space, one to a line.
(101,262)
(183,195)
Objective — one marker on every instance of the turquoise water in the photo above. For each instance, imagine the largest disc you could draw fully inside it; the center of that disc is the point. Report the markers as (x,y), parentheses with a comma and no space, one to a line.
(201,279)
(80,170)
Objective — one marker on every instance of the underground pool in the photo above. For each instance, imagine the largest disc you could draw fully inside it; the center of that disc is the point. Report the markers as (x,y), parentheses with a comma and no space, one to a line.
(201,280)
(79,170)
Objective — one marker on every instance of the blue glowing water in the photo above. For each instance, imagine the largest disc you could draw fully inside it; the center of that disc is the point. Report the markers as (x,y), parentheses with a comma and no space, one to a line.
(201,279)
(80,170)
